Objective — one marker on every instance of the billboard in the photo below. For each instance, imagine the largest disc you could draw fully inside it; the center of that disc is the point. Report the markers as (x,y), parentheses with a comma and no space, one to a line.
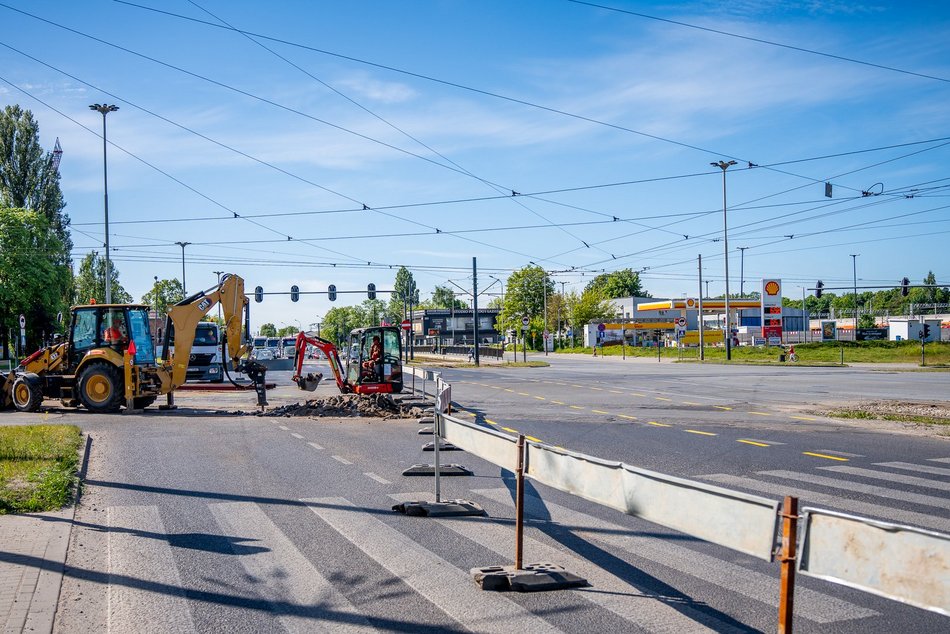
(829,331)
(772,311)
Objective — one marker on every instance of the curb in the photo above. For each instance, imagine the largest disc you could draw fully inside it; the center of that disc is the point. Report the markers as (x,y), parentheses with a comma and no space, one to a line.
(45,599)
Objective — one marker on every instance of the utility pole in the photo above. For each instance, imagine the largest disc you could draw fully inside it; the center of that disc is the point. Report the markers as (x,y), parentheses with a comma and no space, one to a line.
(544,289)
(854,265)
(218,273)
(702,354)
(742,271)
(106,109)
(724,165)
(475,307)
(183,245)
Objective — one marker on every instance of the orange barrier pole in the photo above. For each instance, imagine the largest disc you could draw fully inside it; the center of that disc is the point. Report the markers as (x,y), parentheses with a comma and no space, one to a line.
(519,505)
(789,538)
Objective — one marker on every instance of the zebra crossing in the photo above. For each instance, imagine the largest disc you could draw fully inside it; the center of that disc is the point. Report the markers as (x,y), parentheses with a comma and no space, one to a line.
(304,595)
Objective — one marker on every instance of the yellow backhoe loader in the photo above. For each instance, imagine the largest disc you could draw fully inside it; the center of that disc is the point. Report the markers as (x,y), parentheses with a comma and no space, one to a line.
(108,358)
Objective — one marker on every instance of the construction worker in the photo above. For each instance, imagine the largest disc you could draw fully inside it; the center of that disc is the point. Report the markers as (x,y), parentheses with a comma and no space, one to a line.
(112,335)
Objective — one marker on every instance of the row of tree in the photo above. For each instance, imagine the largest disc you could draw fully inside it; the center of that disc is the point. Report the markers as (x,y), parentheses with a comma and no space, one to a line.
(883,302)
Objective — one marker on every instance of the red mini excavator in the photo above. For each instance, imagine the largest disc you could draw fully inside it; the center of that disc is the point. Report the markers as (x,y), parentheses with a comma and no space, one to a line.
(373,361)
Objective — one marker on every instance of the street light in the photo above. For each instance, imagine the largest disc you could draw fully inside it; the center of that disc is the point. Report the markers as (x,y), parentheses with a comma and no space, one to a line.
(723,165)
(742,271)
(854,267)
(218,273)
(105,109)
(183,287)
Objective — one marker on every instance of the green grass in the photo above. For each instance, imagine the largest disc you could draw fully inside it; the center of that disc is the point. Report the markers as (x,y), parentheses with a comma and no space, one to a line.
(38,465)
(937,353)
(906,418)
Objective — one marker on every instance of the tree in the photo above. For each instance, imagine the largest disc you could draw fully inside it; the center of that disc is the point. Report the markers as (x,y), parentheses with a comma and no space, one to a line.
(524,297)
(404,288)
(31,283)
(339,321)
(268,330)
(588,307)
(164,293)
(444,297)
(622,283)
(90,282)
(375,311)
(286,331)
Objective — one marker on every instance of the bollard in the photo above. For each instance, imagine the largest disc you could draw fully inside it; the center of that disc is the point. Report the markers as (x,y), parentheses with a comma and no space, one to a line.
(789,517)
(437,431)
(519,505)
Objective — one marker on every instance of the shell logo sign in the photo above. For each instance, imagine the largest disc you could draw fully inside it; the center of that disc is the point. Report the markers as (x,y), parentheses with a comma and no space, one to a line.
(772,288)
(690,303)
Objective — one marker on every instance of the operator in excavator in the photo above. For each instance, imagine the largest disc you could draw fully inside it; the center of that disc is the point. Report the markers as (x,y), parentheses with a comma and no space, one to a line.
(374,359)
(113,335)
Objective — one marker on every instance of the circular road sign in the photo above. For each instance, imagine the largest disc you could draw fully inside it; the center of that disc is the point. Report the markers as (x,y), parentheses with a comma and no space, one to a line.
(22,321)
(406,324)
(681,322)
(525,321)
(601,327)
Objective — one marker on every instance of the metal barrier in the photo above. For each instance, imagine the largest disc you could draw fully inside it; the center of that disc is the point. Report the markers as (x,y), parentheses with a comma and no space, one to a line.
(903,563)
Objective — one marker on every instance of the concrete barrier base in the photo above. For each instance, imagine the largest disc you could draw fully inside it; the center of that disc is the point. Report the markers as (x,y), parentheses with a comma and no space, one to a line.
(444,470)
(446,446)
(538,577)
(425,431)
(448,508)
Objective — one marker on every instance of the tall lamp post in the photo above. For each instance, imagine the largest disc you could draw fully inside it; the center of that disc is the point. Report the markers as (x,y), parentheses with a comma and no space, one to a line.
(105,109)
(183,287)
(724,165)
(854,268)
(742,271)
(218,273)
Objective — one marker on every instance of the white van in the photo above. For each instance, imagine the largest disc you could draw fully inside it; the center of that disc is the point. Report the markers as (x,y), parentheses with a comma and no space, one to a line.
(204,364)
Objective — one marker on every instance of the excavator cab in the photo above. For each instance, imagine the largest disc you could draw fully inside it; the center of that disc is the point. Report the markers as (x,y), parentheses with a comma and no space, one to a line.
(373,360)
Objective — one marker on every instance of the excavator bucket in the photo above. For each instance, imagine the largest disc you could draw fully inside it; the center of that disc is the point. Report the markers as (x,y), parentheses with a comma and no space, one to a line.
(309,382)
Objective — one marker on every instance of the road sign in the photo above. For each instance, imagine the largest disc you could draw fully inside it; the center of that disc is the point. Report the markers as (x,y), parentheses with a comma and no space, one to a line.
(601,327)
(681,322)
(406,324)
(525,321)
(22,321)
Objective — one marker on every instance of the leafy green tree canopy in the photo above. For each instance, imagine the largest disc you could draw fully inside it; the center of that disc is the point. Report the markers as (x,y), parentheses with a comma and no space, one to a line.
(164,293)
(444,297)
(268,330)
(90,282)
(622,283)
(524,297)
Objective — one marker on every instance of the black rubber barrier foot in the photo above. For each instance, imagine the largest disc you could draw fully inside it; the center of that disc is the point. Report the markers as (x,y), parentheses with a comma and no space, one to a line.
(444,470)
(539,577)
(425,431)
(446,446)
(448,508)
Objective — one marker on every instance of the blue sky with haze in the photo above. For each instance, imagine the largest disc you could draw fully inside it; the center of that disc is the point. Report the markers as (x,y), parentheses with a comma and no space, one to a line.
(427,113)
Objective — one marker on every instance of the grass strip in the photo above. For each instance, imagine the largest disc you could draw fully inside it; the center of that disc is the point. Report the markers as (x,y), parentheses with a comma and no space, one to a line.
(38,467)
(904,418)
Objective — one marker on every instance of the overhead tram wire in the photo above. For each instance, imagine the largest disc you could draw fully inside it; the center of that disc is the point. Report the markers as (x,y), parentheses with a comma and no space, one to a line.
(495,187)
(757,40)
(445,83)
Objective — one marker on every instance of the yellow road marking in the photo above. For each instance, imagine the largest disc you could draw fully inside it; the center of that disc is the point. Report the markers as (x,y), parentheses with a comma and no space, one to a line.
(540,398)
(660,398)
(523,394)
(533,439)
(627,417)
(573,385)
(513,431)
(636,394)
(722,407)
(760,413)
(690,403)
(509,390)
(599,389)
(557,402)
(597,411)
(752,442)
(802,418)
(490,421)
(653,422)
(702,433)
(576,407)
(496,387)
(821,455)
(615,392)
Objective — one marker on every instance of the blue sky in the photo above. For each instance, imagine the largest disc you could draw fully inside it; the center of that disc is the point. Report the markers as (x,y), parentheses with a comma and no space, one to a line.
(427,113)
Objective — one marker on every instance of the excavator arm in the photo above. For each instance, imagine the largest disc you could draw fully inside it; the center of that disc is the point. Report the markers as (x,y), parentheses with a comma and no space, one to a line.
(311,381)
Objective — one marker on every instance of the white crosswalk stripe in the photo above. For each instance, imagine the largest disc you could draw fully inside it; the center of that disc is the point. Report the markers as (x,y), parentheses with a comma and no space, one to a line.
(900,516)
(858,487)
(818,606)
(652,614)
(921,468)
(286,575)
(138,551)
(446,586)
(939,460)
(892,477)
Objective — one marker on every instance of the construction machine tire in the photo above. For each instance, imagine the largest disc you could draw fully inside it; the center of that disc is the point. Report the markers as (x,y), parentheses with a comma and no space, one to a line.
(141,402)
(100,388)
(27,393)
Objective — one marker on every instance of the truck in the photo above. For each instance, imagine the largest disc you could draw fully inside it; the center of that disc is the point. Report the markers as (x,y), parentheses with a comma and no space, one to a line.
(108,359)
(204,362)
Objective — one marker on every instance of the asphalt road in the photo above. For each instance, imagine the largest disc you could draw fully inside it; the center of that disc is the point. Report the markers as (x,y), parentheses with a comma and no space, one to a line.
(200,520)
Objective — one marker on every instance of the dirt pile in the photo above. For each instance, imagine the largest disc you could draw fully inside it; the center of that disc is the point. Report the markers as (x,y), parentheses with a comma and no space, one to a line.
(369,405)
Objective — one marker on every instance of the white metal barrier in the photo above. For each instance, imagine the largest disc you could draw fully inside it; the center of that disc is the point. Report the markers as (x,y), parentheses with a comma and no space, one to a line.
(903,563)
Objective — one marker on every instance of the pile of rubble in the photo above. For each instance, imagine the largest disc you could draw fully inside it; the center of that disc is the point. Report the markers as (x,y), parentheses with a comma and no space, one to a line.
(370,405)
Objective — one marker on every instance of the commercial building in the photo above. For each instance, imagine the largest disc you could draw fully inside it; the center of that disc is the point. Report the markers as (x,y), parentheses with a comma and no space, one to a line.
(446,326)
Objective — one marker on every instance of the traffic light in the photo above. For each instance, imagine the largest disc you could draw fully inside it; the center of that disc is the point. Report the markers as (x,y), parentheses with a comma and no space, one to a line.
(818,286)
(905,287)
(371,290)
(259,294)
(294,293)
(925,333)
(331,292)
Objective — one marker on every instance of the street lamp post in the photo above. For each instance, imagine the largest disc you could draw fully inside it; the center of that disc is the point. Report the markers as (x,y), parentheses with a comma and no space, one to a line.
(854,268)
(724,165)
(105,109)
(183,287)
(218,273)
(742,271)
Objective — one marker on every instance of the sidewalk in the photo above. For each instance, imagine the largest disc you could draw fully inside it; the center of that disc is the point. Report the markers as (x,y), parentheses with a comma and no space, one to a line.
(32,558)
